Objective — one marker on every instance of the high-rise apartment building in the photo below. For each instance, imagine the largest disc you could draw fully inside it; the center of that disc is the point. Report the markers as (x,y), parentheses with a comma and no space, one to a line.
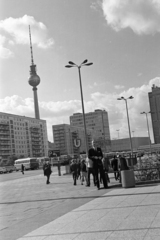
(67,139)
(22,136)
(154,101)
(98,122)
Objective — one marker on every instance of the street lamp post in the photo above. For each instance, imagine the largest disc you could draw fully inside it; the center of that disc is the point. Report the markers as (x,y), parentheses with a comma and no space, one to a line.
(148,129)
(125,99)
(84,63)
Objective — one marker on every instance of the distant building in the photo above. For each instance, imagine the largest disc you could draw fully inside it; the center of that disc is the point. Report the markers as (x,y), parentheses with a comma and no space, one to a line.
(154,101)
(51,146)
(67,139)
(124,143)
(99,123)
(22,136)
(146,148)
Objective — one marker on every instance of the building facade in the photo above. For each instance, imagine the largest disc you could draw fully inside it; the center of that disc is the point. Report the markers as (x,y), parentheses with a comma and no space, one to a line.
(98,122)
(22,136)
(69,139)
(120,145)
(154,101)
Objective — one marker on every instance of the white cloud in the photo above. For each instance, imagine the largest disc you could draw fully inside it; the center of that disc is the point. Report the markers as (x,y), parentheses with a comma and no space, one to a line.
(4,52)
(118,87)
(16,31)
(59,112)
(142,16)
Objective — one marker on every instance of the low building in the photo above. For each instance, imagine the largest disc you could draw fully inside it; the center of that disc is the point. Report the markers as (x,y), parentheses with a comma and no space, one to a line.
(147,148)
(22,136)
(124,143)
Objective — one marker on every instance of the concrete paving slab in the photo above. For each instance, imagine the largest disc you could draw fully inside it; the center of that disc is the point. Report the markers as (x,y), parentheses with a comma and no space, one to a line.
(119,214)
(105,218)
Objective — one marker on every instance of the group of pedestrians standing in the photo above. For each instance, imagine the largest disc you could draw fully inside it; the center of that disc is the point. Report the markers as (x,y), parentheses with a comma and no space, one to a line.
(94,165)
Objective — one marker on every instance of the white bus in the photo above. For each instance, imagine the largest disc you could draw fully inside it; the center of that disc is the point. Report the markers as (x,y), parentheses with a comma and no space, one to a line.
(28,163)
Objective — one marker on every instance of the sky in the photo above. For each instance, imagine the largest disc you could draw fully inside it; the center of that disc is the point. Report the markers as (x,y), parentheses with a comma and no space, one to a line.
(120,37)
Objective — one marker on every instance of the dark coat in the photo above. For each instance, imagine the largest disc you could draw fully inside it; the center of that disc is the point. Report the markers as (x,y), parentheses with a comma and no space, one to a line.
(47,169)
(74,167)
(22,167)
(83,167)
(92,153)
(114,164)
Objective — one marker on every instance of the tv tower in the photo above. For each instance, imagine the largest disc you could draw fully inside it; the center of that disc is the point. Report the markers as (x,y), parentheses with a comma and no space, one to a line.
(34,80)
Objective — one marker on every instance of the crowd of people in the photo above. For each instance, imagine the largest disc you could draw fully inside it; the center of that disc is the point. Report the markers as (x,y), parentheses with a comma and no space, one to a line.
(96,164)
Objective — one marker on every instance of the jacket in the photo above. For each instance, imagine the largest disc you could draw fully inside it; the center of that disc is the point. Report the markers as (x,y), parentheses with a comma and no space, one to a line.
(47,169)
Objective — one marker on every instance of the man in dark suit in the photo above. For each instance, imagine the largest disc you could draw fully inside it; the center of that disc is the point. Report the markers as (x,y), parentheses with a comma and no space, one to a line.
(96,155)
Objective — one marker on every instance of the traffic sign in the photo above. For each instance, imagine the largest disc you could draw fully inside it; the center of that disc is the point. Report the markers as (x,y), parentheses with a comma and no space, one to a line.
(53,153)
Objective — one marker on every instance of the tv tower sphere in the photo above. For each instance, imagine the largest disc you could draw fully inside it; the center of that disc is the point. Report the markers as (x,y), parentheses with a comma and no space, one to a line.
(34,79)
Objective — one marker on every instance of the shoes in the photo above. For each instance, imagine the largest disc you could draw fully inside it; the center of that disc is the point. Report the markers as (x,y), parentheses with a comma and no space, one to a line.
(82,183)
(98,188)
(87,185)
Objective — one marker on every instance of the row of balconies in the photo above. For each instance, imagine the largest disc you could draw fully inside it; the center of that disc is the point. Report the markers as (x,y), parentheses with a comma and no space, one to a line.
(35,144)
(2,152)
(4,137)
(4,148)
(2,142)
(4,124)
(36,147)
(4,127)
(5,133)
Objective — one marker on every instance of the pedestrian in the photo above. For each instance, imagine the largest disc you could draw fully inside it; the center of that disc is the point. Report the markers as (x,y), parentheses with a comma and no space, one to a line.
(47,171)
(74,171)
(78,169)
(83,172)
(96,155)
(22,169)
(90,170)
(114,164)
(106,166)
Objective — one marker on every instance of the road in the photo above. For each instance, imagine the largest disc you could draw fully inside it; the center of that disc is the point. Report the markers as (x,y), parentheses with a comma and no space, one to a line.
(26,202)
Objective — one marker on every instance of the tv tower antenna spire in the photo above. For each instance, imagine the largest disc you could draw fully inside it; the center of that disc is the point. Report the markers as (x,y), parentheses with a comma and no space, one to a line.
(32,62)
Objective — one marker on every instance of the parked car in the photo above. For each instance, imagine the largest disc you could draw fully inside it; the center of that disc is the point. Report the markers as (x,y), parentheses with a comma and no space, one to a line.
(3,170)
(10,168)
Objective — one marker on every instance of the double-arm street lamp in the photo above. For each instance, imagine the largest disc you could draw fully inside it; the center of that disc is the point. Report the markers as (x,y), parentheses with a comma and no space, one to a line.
(125,99)
(84,63)
(148,129)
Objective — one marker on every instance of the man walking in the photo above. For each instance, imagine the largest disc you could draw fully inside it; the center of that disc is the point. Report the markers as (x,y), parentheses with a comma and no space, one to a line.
(47,171)
(22,169)
(96,155)
(74,171)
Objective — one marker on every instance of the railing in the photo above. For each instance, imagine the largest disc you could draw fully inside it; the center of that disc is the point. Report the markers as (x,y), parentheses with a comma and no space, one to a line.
(147,174)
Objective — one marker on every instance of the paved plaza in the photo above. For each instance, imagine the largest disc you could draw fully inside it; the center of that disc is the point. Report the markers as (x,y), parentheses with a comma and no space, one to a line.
(119,214)
(32,210)
(27,203)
